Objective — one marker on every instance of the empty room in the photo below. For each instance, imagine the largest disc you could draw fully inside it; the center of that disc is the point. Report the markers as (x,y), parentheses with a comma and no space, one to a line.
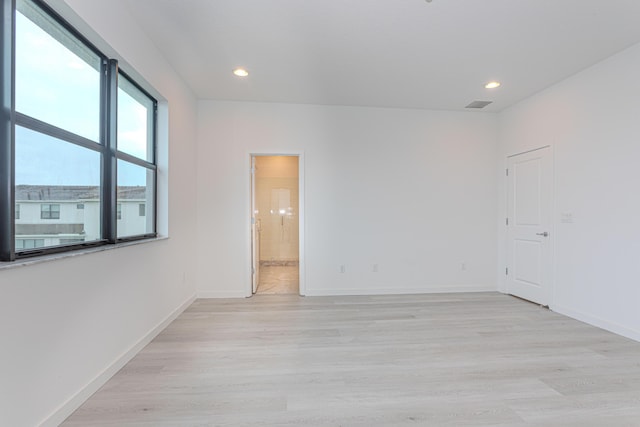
(337,213)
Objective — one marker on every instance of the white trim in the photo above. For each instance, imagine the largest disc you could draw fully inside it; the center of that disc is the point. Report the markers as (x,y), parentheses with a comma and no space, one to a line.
(400,291)
(23,262)
(302,286)
(302,282)
(67,408)
(598,322)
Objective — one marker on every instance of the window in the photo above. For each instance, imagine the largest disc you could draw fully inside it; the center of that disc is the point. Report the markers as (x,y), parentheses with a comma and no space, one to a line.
(50,211)
(136,154)
(84,139)
(29,243)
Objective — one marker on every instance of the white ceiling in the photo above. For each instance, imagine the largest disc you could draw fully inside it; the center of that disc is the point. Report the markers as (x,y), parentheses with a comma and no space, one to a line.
(385,53)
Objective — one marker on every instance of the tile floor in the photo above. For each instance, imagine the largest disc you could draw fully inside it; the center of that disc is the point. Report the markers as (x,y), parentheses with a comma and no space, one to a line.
(276,279)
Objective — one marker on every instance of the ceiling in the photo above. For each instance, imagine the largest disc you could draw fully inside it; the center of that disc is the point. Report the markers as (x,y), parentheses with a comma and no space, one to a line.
(385,53)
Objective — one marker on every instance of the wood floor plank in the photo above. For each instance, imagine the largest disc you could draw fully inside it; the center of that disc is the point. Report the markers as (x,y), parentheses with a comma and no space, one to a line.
(480,359)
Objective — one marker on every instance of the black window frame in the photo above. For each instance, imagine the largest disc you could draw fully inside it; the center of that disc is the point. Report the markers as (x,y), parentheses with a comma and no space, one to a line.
(106,146)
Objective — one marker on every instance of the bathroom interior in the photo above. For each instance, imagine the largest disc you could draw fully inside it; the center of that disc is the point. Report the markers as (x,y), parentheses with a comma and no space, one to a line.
(276,231)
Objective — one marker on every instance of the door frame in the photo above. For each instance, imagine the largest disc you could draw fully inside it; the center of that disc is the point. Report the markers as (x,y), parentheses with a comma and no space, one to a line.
(302,286)
(550,292)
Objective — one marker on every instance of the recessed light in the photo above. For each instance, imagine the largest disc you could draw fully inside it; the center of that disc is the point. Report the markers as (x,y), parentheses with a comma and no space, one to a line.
(240,72)
(492,85)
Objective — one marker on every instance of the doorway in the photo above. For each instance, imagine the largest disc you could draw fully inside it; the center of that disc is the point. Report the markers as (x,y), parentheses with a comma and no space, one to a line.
(275,224)
(529,220)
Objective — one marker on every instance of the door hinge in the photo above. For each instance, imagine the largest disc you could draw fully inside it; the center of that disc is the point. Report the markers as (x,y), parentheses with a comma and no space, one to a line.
(506,271)
(507,221)
(253,221)
(507,172)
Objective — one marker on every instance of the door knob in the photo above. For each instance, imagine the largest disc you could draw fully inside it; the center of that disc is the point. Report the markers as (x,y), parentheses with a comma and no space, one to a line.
(545,234)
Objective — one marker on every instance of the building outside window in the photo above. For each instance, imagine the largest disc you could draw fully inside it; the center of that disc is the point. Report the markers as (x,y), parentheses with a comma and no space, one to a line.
(72,240)
(50,211)
(29,243)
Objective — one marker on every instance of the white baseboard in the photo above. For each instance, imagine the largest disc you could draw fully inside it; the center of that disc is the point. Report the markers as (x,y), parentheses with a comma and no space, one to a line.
(68,407)
(598,322)
(220,294)
(399,291)
(361,291)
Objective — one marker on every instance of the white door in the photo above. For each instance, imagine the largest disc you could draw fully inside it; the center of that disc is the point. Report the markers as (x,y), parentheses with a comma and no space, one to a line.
(529,250)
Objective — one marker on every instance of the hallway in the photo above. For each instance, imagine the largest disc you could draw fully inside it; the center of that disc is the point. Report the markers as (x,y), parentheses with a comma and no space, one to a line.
(279,279)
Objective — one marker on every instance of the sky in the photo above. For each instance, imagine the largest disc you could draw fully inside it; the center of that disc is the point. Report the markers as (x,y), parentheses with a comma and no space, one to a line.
(60,87)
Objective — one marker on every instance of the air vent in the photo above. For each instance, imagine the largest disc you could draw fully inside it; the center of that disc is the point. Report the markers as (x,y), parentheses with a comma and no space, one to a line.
(478,104)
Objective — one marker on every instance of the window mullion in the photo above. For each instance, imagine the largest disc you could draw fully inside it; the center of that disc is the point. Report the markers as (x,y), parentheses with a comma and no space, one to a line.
(44,128)
(7,143)
(109,168)
(135,160)
(154,129)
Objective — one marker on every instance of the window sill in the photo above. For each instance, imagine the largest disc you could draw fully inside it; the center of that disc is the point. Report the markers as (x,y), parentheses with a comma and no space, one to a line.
(79,252)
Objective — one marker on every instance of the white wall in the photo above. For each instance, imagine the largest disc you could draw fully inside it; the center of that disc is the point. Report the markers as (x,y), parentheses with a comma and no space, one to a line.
(412,191)
(63,323)
(592,121)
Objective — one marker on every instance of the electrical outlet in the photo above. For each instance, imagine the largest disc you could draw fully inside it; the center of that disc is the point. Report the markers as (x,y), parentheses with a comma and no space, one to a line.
(375,268)
(343,268)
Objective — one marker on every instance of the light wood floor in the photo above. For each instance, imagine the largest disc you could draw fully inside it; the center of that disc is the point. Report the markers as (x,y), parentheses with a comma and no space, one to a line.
(421,360)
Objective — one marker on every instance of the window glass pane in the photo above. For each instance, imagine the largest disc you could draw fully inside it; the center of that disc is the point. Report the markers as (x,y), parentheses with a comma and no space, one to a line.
(135,187)
(135,121)
(52,178)
(57,77)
